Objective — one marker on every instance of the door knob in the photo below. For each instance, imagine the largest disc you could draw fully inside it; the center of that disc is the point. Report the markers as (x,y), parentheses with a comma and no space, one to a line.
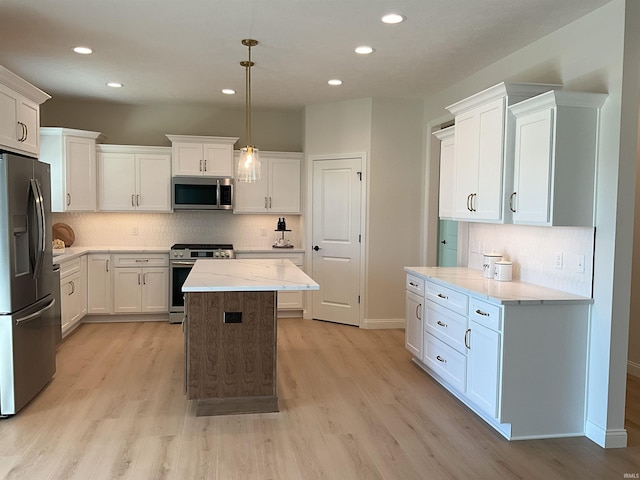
(316,248)
(444,242)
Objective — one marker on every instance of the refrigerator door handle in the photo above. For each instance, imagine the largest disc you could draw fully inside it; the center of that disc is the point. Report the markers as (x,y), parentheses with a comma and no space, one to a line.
(36,314)
(39,204)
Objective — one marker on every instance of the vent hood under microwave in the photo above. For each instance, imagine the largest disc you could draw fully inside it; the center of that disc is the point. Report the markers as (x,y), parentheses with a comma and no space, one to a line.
(202,193)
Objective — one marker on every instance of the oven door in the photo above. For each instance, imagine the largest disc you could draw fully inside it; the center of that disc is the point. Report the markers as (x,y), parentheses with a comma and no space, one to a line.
(178,274)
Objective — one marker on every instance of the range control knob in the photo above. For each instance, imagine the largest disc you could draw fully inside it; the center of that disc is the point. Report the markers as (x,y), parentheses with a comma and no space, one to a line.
(217,254)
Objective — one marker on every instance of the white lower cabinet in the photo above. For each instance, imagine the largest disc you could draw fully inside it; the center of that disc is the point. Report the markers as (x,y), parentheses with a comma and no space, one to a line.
(521,366)
(414,308)
(73,293)
(99,284)
(141,283)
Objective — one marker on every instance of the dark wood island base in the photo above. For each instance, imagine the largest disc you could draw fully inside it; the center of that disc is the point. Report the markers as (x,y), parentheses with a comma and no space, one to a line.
(230,352)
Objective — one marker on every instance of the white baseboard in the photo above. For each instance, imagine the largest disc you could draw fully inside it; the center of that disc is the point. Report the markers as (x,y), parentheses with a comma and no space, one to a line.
(382,323)
(151,317)
(606,438)
(633,369)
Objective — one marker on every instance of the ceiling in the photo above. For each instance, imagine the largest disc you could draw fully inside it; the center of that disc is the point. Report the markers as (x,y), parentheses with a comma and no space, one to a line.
(170,51)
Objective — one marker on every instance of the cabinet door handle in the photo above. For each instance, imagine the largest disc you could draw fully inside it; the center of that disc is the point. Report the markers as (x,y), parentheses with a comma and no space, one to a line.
(26,132)
(200,164)
(419,311)
(469,202)
(144,278)
(269,202)
(107,264)
(205,164)
(440,359)
(511,202)
(133,202)
(484,314)
(443,296)
(73,288)
(473,202)
(413,284)
(138,200)
(265,202)
(442,324)
(142,260)
(466,339)
(68,199)
(23,132)
(139,281)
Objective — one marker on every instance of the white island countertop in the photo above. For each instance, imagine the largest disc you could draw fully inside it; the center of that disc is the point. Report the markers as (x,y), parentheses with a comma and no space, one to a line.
(250,275)
(500,293)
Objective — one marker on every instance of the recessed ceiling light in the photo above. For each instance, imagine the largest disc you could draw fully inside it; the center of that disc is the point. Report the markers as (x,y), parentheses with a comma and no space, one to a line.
(364,50)
(82,50)
(114,84)
(335,82)
(228,91)
(393,18)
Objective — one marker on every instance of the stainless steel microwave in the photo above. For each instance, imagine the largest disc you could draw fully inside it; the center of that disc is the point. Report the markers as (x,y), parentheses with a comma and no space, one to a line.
(202,193)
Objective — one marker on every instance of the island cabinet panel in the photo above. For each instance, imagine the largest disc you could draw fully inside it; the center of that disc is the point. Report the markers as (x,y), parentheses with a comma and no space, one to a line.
(231,352)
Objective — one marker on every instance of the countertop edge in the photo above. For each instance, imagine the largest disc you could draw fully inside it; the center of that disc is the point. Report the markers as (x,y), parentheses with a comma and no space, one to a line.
(556,297)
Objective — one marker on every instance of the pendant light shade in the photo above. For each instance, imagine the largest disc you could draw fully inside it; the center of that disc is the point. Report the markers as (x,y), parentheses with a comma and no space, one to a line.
(249,167)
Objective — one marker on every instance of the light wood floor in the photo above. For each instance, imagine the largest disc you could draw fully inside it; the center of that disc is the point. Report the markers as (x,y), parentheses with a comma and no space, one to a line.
(353,406)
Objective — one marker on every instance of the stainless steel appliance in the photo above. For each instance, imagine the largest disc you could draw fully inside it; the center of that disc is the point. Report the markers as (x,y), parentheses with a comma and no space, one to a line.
(181,259)
(202,193)
(27,319)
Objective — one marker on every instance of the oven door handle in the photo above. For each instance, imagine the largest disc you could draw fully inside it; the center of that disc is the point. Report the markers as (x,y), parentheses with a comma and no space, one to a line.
(183,263)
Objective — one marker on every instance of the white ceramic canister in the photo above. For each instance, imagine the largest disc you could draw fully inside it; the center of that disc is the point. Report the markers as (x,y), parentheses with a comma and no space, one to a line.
(504,271)
(488,264)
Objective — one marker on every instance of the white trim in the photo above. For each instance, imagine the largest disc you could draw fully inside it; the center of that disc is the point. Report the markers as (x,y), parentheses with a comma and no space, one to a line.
(633,368)
(382,323)
(117,318)
(364,224)
(616,438)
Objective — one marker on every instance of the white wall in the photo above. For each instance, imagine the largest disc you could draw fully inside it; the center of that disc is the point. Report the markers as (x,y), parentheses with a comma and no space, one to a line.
(587,55)
(389,133)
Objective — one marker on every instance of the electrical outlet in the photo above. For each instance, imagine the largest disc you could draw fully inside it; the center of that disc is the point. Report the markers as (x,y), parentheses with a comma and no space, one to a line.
(263,231)
(580,263)
(134,231)
(559,260)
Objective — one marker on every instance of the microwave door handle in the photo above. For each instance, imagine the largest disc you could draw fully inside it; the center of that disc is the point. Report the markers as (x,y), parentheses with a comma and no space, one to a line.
(39,207)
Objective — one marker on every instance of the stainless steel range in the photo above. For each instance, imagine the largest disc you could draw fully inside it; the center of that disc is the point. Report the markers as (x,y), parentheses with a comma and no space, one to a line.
(181,259)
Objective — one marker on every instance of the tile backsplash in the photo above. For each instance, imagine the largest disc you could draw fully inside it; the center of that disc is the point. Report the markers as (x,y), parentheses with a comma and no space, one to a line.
(165,229)
(534,252)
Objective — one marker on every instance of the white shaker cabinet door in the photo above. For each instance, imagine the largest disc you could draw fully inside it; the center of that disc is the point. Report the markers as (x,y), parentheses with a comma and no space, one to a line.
(483,368)
(414,330)
(127,290)
(188,159)
(284,185)
(530,201)
(155,290)
(99,284)
(218,160)
(153,182)
(117,185)
(80,173)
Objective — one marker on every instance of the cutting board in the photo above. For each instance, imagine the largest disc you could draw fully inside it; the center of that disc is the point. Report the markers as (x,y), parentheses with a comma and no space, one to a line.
(64,232)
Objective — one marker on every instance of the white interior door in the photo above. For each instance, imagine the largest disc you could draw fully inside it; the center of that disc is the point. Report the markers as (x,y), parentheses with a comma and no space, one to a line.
(336,239)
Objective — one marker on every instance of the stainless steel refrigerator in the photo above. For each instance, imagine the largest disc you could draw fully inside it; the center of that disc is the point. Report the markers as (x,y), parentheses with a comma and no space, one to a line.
(27,305)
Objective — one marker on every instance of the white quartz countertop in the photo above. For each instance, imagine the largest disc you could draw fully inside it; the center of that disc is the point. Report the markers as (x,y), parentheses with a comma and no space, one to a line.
(501,293)
(73,252)
(247,275)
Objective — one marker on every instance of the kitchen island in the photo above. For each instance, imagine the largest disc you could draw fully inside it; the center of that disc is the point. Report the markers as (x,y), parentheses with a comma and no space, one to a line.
(231,332)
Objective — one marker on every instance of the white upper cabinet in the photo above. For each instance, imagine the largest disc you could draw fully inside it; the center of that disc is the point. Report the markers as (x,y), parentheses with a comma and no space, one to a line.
(134,178)
(19,114)
(278,190)
(447,172)
(555,158)
(72,155)
(484,150)
(202,156)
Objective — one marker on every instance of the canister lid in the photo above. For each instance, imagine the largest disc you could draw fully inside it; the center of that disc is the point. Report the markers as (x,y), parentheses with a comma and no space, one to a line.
(492,254)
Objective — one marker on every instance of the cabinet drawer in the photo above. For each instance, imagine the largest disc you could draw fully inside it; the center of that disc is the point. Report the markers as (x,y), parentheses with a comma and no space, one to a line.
(485,314)
(447,297)
(446,362)
(143,260)
(69,267)
(446,325)
(415,285)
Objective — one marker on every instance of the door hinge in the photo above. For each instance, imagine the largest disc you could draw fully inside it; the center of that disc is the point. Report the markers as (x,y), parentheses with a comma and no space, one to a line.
(358,299)
(359,175)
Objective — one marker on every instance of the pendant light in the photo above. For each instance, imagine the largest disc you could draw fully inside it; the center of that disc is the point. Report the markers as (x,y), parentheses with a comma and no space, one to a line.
(249,168)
